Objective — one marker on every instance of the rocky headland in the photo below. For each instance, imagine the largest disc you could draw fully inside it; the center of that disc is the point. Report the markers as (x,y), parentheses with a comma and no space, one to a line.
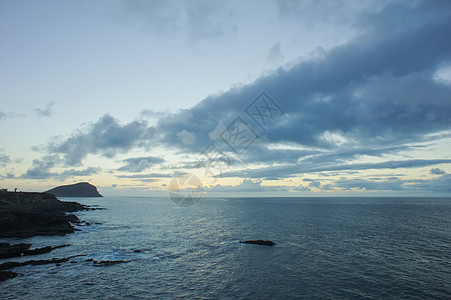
(81,189)
(24,214)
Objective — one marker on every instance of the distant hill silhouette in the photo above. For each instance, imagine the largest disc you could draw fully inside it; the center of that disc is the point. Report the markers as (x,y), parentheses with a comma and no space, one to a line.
(81,189)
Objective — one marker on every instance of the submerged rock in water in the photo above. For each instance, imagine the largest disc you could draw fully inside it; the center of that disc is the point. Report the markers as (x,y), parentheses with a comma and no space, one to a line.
(105,263)
(259,242)
(8,250)
(15,264)
(42,250)
(5,275)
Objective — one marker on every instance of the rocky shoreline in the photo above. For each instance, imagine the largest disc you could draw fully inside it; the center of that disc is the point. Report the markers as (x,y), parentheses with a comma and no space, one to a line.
(7,250)
(23,215)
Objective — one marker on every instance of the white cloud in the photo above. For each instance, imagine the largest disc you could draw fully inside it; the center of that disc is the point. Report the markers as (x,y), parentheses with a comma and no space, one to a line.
(186,137)
(443,74)
(214,134)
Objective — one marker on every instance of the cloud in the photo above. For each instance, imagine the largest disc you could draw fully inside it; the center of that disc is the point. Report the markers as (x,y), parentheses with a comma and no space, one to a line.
(139,164)
(4,159)
(437,171)
(337,11)
(7,115)
(153,114)
(300,188)
(208,20)
(8,175)
(443,73)
(440,184)
(72,173)
(275,54)
(366,98)
(215,133)
(106,137)
(370,185)
(44,112)
(247,185)
(367,93)
(42,169)
(196,21)
(145,176)
(314,184)
(186,137)
(298,169)
(379,95)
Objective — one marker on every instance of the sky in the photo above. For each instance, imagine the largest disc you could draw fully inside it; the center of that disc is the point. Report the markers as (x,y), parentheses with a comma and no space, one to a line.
(257,98)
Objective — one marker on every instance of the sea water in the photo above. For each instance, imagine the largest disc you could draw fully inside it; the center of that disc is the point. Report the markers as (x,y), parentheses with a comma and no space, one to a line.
(327,248)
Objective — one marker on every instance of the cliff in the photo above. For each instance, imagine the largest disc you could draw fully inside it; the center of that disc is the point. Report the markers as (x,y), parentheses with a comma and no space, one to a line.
(81,189)
(30,214)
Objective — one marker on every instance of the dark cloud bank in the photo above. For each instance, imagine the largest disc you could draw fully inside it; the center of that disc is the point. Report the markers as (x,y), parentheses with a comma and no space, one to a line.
(374,96)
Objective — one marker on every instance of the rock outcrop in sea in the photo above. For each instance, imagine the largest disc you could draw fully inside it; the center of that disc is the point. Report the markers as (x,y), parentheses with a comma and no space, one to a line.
(7,250)
(259,242)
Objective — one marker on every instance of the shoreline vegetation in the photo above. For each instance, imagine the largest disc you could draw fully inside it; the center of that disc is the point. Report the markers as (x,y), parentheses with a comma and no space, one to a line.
(28,214)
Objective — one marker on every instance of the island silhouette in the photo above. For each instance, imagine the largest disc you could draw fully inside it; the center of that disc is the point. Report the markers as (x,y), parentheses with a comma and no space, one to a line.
(81,189)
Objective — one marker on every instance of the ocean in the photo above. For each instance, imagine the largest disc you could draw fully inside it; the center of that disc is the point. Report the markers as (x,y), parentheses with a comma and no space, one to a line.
(327,248)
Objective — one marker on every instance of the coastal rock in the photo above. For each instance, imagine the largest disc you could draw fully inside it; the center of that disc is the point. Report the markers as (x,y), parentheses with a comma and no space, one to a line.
(259,242)
(30,214)
(43,250)
(81,189)
(73,219)
(5,275)
(42,202)
(105,263)
(8,250)
(14,264)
